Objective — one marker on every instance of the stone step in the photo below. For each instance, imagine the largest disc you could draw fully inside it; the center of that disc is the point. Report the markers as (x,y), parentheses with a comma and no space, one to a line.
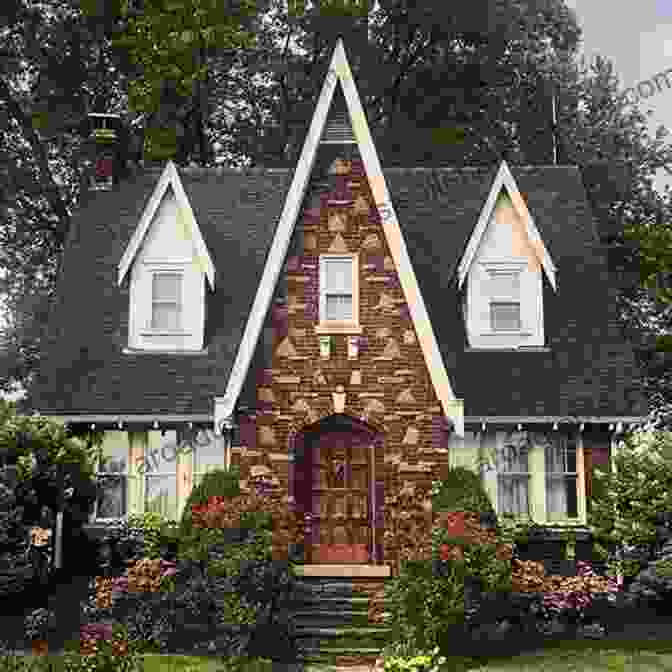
(305,603)
(329,618)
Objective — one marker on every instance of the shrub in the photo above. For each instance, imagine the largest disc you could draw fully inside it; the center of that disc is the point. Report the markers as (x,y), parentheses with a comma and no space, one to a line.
(461,490)
(216,483)
(424,606)
(626,504)
(16,570)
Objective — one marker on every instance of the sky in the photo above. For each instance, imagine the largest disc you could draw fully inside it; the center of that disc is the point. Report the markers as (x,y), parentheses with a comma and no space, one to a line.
(637,38)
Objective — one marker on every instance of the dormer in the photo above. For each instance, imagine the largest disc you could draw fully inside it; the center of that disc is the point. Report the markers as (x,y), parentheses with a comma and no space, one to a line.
(501,272)
(167,263)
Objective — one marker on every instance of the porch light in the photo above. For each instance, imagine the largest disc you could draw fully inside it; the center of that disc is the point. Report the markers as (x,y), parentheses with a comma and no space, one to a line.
(555,426)
(581,428)
(156,424)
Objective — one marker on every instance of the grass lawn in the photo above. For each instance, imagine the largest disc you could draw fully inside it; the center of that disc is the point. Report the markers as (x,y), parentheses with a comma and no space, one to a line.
(152,663)
(626,656)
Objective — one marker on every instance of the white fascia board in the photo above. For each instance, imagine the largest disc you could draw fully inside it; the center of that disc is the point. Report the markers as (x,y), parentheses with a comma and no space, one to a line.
(339,71)
(506,179)
(169,177)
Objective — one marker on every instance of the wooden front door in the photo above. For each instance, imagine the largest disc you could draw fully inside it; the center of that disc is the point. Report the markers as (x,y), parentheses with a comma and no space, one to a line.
(340,497)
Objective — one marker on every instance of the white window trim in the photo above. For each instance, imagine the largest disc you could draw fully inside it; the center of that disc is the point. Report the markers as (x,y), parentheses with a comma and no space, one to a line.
(325,326)
(478,299)
(140,309)
(537,487)
(94,517)
(154,473)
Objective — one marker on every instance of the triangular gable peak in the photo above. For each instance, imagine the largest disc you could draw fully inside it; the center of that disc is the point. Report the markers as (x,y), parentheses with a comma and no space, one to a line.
(504,180)
(339,72)
(170,178)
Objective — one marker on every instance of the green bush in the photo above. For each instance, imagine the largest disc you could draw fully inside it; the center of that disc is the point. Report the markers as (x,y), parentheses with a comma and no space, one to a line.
(216,483)
(424,605)
(461,490)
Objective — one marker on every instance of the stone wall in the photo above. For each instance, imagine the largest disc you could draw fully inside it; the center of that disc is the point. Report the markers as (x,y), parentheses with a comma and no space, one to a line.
(379,378)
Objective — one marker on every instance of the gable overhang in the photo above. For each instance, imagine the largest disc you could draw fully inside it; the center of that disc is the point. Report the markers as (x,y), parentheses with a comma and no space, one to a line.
(201,257)
(504,179)
(339,72)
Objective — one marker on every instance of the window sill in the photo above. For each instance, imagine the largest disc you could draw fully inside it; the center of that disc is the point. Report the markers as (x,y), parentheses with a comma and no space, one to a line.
(506,332)
(165,332)
(329,329)
(513,348)
(158,351)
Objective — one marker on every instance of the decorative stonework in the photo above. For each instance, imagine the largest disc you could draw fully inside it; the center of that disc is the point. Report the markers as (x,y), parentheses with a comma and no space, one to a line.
(406,397)
(339,399)
(266,435)
(392,350)
(385,302)
(265,394)
(361,207)
(303,387)
(286,348)
(371,242)
(310,242)
(412,436)
(338,245)
(337,223)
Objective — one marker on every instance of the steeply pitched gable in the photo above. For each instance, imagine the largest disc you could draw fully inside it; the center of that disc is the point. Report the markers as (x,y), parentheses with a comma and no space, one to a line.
(505,180)
(339,73)
(187,226)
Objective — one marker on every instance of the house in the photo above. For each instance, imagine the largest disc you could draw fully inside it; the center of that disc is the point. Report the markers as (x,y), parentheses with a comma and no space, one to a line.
(342,329)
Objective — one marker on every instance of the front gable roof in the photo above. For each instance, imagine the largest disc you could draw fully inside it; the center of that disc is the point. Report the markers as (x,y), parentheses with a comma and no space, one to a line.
(188,224)
(505,180)
(340,73)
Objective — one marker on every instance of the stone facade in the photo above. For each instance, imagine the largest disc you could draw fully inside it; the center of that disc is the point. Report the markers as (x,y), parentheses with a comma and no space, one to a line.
(379,378)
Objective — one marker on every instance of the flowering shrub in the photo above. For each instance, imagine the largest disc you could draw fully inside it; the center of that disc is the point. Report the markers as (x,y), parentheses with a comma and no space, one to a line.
(627,503)
(400,659)
(103,648)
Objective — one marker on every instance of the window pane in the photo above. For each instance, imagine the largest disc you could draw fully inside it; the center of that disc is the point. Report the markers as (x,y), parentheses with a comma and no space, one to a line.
(161,495)
(207,454)
(166,287)
(161,452)
(115,448)
(112,501)
(165,316)
(505,316)
(339,307)
(505,285)
(339,275)
(561,496)
(512,459)
(512,494)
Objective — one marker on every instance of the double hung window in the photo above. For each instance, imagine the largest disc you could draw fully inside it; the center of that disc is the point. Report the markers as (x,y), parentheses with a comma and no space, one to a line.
(513,478)
(166,301)
(561,478)
(504,300)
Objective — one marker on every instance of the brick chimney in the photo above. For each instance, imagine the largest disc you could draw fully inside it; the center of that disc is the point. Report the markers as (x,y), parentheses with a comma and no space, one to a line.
(108,147)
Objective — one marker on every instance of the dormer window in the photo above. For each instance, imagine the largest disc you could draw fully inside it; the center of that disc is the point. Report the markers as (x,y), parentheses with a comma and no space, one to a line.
(168,264)
(166,301)
(502,271)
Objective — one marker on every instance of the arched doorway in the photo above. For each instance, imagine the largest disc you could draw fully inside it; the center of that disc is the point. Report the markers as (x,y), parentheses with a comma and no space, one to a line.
(335,476)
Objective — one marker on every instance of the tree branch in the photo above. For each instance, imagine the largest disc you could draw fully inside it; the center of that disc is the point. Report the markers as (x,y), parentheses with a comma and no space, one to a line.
(45,179)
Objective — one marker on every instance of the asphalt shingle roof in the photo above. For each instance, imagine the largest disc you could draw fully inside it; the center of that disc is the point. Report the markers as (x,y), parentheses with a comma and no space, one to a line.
(587,372)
